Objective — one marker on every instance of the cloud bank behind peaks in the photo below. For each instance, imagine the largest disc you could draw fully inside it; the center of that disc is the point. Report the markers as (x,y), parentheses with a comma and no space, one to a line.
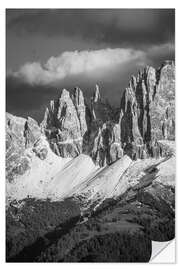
(74,63)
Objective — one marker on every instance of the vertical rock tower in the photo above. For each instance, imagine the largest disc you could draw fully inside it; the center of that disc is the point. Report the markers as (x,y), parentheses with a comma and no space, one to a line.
(147,115)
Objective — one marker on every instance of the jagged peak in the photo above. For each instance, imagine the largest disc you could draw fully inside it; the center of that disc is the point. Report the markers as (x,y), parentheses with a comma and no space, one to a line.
(64,93)
(77,92)
(77,96)
(144,73)
(52,105)
(96,95)
(132,82)
(46,111)
(77,89)
(149,69)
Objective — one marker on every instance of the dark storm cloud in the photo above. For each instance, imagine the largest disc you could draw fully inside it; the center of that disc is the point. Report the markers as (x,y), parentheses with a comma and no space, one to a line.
(25,99)
(130,27)
(48,50)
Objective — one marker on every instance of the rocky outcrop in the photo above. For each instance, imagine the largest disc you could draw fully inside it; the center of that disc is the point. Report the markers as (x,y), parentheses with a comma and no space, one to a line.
(21,134)
(72,127)
(100,108)
(146,115)
(64,123)
(130,200)
(79,103)
(147,112)
(26,131)
(40,150)
(103,143)
(102,139)
(163,106)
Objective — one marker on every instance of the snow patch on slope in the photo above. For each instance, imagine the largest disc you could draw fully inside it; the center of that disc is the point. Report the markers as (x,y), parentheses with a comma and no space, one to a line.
(57,178)
(35,181)
(53,177)
(167,172)
(105,182)
(73,174)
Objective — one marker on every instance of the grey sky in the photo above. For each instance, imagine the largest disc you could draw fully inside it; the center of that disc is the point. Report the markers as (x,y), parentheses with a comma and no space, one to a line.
(37,35)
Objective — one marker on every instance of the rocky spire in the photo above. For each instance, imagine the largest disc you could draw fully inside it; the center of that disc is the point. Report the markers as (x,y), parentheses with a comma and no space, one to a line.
(164,100)
(21,134)
(78,100)
(66,118)
(96,95)
(100,109)
(144,104)
(64,123)
(146,114)
(64,94)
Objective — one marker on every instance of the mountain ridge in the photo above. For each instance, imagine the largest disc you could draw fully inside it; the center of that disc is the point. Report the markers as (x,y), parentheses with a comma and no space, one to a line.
(145,115)
(71,128)
(90,177)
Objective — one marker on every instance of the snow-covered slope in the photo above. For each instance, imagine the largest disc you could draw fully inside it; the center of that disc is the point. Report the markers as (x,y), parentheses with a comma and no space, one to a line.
(57,178)
(105,182)
(53,177)
(167,172)
(72,175)
(35,180)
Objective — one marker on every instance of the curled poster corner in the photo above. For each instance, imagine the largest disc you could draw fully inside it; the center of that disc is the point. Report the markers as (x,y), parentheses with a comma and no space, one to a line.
(163,252)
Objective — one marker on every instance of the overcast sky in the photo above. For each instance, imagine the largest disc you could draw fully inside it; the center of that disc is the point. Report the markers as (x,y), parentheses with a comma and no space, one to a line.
(48,50)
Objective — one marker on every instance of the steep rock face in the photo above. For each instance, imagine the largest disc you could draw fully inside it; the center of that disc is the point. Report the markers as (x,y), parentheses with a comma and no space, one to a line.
(129,116)
(146,115)
(103,143)
(147,112)
(102,140)
(21,134)
(64,123)
(79,103)
(72,128)
(163,107)
(100,108)
(66,117)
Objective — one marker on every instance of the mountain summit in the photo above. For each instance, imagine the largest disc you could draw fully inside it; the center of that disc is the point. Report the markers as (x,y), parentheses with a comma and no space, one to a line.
(88,181)
(71,129)
(146,115)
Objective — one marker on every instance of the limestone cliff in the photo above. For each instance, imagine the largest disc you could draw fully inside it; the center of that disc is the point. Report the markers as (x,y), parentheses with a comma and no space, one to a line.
(146,115)
(21,134)
(147,112)
(64,123)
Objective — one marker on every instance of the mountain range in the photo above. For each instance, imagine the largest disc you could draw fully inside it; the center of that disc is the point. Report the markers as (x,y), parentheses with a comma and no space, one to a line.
(103,159)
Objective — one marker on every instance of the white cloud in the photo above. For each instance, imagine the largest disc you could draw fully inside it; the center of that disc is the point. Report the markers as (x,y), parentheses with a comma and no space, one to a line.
(76,62)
